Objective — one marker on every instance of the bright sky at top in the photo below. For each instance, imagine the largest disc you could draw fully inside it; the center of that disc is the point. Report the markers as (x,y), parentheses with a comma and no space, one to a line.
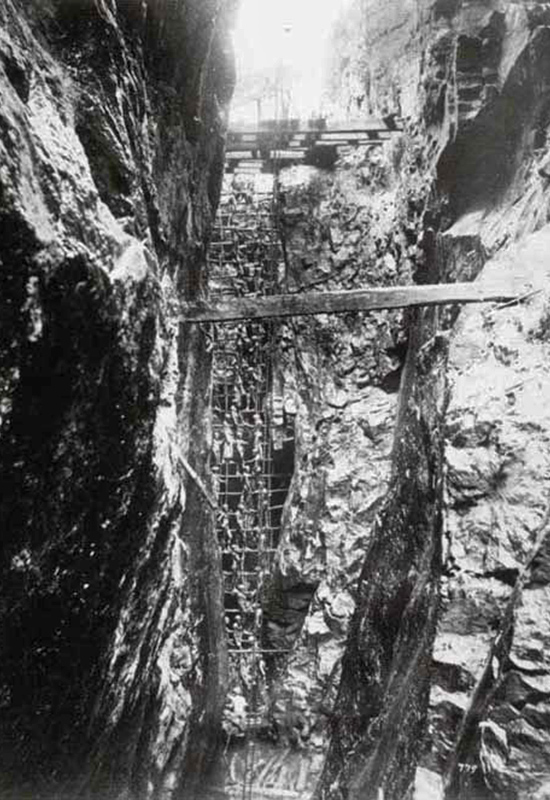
(287,33)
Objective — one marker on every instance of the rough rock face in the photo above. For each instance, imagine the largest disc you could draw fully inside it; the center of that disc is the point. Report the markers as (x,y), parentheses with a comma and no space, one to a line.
(471,80)
(111,142)
(497,530)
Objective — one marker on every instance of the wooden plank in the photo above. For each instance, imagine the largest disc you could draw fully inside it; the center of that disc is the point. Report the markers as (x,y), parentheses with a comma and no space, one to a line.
(293,305)
(359,123)
(336,136)
(287,155)
(237,152)
(232,156)
(262,136)
(348,148)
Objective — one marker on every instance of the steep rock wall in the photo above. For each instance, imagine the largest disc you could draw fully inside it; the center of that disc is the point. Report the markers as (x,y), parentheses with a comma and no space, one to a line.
(471,81)
(111,152)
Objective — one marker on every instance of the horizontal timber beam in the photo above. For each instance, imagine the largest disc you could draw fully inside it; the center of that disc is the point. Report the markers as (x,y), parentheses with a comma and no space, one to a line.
(295,305)
(235,134)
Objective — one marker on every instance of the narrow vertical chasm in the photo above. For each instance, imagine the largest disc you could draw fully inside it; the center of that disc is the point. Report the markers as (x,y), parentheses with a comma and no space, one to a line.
(253,463)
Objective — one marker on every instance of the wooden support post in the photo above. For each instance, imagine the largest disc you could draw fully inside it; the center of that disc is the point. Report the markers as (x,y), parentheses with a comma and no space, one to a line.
(294,305)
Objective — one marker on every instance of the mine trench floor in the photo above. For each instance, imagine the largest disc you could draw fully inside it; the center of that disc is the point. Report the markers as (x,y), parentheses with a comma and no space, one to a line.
(278,774)
(236,793)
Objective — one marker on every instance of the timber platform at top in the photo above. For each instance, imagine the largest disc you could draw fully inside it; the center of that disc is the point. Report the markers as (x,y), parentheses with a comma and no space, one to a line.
(292,142)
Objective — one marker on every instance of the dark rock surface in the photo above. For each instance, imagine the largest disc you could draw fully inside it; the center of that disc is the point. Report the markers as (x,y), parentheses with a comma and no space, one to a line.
(111,140)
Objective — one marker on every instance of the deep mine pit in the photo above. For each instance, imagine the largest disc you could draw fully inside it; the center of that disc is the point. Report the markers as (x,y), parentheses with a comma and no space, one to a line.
(274,419)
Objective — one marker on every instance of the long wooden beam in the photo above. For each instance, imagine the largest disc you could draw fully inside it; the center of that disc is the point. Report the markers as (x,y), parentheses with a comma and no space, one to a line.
(237,134)
(294,305)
